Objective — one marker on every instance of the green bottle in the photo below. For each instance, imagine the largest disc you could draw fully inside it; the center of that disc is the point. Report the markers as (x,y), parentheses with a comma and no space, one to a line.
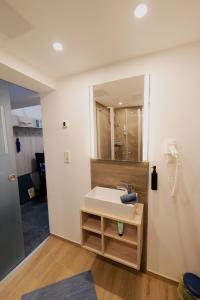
(120,227)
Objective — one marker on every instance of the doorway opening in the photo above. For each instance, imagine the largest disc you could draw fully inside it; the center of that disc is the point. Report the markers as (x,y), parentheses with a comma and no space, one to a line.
(30,165)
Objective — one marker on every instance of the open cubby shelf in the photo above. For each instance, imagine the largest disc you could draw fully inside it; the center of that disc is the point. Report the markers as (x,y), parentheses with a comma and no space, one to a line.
(121,252)
(129,235)
(92,241)
(91,222)
(100,235)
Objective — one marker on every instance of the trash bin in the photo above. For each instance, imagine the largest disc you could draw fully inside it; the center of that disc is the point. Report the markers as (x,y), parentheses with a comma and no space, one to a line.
(189,287)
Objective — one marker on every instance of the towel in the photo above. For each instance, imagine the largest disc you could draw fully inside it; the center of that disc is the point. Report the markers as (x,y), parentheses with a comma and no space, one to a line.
(129,198)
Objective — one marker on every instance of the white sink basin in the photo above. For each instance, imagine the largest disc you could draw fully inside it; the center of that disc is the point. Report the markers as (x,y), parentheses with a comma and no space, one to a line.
(107,201)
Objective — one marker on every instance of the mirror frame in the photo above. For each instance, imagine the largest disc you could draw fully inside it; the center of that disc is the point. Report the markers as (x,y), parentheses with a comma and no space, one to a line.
(92,120)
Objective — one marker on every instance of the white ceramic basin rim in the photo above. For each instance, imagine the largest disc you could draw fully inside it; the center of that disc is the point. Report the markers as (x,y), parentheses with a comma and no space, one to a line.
(107,201)
(106,194)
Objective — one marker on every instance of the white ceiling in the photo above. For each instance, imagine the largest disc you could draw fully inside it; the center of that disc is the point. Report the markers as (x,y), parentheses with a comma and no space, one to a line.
(94,32)
(128,91)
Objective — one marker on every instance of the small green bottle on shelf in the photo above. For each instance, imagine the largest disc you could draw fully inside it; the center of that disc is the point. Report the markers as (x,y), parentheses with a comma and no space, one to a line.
(120,226)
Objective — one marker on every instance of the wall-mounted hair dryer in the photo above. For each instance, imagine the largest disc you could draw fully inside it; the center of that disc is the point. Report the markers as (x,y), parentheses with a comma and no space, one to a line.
(171,149)
(173,156)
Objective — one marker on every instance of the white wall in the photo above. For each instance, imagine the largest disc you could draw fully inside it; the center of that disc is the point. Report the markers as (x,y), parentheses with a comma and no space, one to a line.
(31,140)
(173,229)
(29,111)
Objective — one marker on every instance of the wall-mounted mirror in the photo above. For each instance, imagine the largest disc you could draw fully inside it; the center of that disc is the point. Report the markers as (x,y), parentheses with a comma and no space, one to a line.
(119,119)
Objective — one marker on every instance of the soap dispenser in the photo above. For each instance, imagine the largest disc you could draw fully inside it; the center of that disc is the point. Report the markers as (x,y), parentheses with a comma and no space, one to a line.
(154,179)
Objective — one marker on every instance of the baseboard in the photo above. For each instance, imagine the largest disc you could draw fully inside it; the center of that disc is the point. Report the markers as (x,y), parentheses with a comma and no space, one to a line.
(162,277)
(66,240)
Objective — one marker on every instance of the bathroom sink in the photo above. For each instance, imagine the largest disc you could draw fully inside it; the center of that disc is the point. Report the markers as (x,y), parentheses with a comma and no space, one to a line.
(107,201)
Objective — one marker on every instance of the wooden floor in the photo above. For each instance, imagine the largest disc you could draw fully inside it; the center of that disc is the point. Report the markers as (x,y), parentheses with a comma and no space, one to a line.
(58,259)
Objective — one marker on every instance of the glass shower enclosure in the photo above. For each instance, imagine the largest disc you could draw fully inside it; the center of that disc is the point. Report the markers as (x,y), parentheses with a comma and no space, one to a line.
(119,133)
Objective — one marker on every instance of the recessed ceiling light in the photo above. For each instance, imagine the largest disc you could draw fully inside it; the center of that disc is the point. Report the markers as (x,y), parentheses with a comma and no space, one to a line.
(57,46)
(120,103)
(140,10)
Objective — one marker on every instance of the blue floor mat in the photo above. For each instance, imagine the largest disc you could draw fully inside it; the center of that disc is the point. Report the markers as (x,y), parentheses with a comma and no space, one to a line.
(79,287)
(35,223)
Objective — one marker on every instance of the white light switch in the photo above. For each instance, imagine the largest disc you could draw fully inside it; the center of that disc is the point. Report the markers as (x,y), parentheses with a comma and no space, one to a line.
(67,157)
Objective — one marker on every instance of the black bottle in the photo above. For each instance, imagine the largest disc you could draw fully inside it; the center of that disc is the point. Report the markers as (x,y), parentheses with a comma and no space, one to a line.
(154,179)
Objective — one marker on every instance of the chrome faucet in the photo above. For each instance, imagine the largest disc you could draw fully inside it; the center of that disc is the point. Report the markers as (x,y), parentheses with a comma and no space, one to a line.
(127,187)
